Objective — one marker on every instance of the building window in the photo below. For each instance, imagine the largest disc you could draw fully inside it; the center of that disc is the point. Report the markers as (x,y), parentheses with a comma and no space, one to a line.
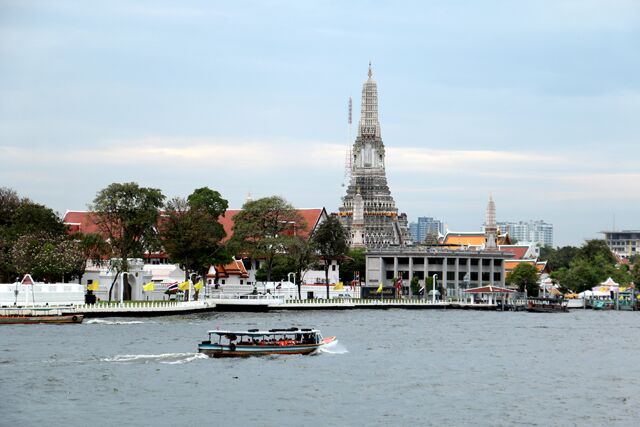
(333,267)
(486,262)
(241,281)
(451,261)
(462,261)
(496,277)
(451,275)
(474,262)
(223,281)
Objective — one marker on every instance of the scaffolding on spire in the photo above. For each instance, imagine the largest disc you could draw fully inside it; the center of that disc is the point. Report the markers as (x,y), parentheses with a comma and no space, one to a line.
(348,163)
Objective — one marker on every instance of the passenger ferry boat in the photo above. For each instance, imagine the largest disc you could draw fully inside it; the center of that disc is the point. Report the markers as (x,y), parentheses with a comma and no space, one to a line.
(255,342)
(30,315)
(547,305)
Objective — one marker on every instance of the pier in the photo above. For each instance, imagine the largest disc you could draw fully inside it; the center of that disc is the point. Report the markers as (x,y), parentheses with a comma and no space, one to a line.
(262,304)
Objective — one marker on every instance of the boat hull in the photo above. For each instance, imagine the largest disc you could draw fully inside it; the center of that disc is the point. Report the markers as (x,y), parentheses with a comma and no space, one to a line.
(547,310)
(575,303)
(225,350)
(27,320)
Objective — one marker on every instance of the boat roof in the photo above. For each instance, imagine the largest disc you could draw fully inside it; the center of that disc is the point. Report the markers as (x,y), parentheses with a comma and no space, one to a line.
(266,332)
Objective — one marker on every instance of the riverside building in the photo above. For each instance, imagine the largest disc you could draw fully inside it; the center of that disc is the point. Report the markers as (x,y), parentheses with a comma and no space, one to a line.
(624,243)
(456,266)
(368,211)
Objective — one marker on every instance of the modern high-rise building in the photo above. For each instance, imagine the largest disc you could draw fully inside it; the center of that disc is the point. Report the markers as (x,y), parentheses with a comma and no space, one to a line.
(530,231)
(624,243)
(368,210)
(426,225)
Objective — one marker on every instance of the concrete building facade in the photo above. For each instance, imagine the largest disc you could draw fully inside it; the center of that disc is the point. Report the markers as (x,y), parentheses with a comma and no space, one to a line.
(624,243)
(456,270)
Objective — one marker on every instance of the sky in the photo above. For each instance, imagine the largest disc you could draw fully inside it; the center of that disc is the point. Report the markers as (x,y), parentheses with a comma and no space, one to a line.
(534,102)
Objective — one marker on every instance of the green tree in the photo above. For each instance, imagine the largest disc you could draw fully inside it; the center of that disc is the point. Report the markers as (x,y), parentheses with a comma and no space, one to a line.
(9,203)
(301,255)
(597,249)
(592,264)
(209,200)
(32,218)
(415,285)
(127,215)
(192,235)
(94,248)
(264,229)
(635,272)
(354,265)
(525,277)
(282,266)
(47,257)
(19,217)
(330,240)
(558,258)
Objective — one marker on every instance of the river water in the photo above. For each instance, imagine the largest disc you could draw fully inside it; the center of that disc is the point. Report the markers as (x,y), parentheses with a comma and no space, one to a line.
(390,367)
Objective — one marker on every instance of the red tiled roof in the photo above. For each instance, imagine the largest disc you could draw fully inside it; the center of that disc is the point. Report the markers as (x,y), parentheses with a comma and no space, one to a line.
(234,268)
(83,221)
(311,217)
(80,221)
(518,251)
(472,238)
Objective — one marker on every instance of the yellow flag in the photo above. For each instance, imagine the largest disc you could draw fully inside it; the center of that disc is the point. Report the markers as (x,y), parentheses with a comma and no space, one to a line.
(149,287)
(93,286)
(184,286)
(379,290)
(338,286)
(198,285)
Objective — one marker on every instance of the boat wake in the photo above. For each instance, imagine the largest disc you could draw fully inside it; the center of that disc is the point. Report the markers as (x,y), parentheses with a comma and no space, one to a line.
(167,358)
(333,348)
(112,322)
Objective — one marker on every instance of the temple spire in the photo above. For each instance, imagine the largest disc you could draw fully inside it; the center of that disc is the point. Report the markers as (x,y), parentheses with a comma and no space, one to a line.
(491,228)
(369,125)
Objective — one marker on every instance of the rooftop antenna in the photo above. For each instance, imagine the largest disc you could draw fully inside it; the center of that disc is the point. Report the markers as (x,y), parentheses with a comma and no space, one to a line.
(348,154)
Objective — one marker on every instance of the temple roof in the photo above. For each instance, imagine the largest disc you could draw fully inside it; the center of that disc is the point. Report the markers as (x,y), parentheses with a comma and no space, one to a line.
(84,221)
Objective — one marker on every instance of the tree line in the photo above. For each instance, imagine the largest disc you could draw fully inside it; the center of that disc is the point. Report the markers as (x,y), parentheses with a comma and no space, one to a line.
(576,269)
(135,221)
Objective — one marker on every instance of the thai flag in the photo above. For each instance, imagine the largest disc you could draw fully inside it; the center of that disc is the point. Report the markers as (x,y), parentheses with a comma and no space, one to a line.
(173,286)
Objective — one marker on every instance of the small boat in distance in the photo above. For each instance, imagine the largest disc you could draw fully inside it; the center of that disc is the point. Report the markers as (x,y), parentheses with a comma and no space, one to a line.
(254,342)
(547,305)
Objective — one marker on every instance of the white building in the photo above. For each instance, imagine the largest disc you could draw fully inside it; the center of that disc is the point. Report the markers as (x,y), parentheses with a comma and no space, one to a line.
(623,244)
(538,232)
(28,293)
(127,287)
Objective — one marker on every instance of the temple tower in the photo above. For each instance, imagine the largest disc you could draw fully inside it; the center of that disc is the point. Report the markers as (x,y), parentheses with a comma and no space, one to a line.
(381,223)
(491,228)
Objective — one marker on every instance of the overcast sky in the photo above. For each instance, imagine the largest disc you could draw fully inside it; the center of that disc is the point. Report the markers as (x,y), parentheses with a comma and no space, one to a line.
(536,102)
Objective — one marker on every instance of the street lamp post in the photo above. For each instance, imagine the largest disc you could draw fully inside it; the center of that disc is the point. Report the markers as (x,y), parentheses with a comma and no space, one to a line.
(294,282)
(433,298)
